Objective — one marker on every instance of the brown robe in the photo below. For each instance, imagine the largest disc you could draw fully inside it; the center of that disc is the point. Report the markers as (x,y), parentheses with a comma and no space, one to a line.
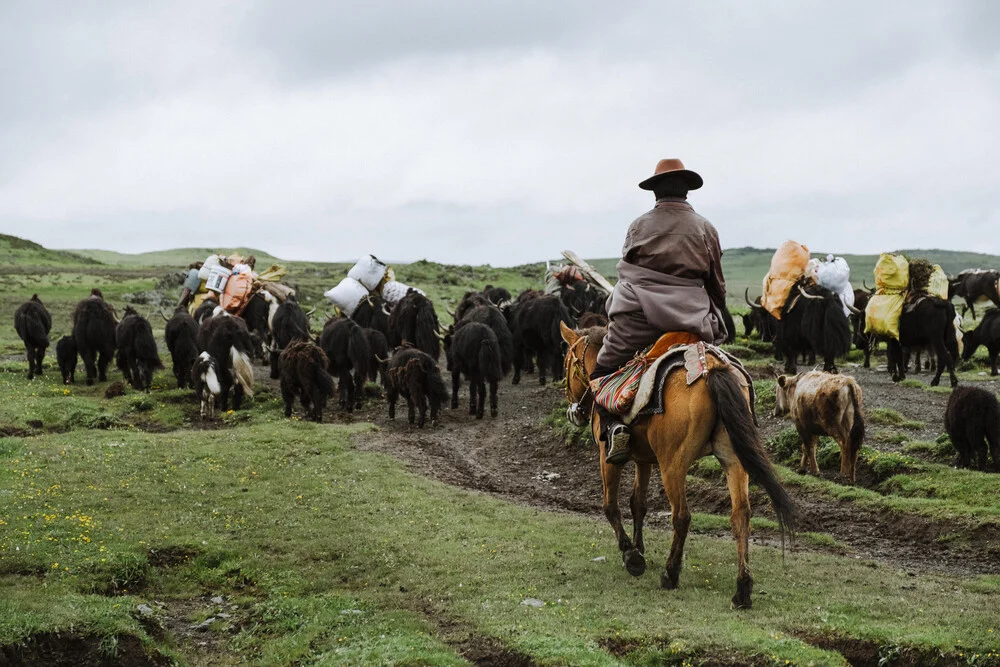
(669,279)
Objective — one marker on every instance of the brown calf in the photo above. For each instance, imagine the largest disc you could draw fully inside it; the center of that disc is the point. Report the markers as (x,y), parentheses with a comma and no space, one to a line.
(823,404)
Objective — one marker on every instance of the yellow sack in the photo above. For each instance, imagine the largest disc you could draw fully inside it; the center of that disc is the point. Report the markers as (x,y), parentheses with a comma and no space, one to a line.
(938,285)
(273,274)
(882,314)
(787,266)
(892,273)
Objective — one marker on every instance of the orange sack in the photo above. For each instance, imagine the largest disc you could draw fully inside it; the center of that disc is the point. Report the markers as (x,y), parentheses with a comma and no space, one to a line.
(787,266)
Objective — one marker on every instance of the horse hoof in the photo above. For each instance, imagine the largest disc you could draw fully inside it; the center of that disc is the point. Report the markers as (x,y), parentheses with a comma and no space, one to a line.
(741,604)
(635,562)
(668,582)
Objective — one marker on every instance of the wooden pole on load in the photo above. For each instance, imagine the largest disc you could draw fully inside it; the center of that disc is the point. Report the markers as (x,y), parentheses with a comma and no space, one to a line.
(588,270)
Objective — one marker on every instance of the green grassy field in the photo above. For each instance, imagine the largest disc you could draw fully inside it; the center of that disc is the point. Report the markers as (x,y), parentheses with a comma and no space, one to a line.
(128,527)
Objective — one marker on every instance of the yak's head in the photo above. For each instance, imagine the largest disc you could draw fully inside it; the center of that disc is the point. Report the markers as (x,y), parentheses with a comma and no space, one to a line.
(784,391)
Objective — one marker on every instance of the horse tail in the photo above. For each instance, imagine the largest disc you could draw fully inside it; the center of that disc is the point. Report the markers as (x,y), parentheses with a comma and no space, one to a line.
(734,412)
(857,435)
(242,370)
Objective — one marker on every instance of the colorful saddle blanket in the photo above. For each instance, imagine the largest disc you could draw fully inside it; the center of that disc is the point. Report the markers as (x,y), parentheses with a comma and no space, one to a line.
(637,389)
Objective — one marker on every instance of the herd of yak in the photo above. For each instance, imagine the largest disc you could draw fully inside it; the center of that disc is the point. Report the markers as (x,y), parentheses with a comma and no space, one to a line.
(212,351)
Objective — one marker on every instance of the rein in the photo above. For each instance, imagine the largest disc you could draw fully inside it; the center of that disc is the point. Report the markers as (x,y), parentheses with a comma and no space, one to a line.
(574,364)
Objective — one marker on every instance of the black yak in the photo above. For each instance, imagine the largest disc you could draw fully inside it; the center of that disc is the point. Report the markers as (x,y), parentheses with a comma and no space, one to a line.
(289,324)
(304,374)
(257,314)
(181,334)
(94,332)
(67,356)
(372,313)
(492,317)
(498,296)
(534,323)
(972,420)
(415,375)
(473,351)
(137,356)
(205,381)
(591,320)
(379,348)
(812,321)
(928,323)
(414,321)
(205,310)
(33,323)
(975,285)
(227,341)
(469,301)
(988,334)
(758,319)
(347,350)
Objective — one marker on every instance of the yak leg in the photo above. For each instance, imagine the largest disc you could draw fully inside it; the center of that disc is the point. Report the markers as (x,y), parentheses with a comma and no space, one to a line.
(347,391)
(518,361)
(88,364)
(943,359)
(410,415)
(102,365)
(392,395)
(637,503)
(542,368)
(896,362)
(456,383)
(994,352)
(809,453)
(30,351)
(288,396)
(481,398)
(493,398)
(848,464)
(359,390)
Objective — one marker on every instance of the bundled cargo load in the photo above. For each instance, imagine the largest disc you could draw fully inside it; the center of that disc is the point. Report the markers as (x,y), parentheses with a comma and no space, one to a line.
(370,271)
(239,289)
(834,274)
(938,284)
(347,295)
(788,265)
(393,291)
(892,280)
(218,276)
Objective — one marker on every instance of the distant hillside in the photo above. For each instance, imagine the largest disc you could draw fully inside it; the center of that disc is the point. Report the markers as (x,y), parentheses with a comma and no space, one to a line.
(16,251)
(176,257)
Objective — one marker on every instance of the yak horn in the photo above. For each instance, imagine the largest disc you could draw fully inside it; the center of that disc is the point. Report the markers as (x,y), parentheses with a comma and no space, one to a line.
(871,290)
(381,360)
(853,309)
(165,318)
(746,297)
(809,296)
(309,314)
(450,312)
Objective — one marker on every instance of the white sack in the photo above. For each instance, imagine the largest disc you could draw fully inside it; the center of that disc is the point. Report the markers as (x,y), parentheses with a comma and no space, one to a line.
(393,291)
(369,271)
(347,295)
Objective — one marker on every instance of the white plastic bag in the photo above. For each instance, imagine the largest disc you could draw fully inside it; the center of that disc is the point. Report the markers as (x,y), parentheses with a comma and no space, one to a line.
(834,274)
(393,291)
(206,268)
(347,295)
(369,271)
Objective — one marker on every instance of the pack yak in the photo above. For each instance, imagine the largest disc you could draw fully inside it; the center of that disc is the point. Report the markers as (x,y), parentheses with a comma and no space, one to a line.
(33,323)
(414,375)
(473,351)
(227,341)
(94,333)
(812,322)
(181,334)
(414,321)
(137,356)
(288,325)
(304,374)
(973,286)
(348,356)
(926,323)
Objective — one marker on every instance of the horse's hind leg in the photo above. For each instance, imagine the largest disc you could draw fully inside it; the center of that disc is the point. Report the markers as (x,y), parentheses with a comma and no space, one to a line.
(739,494)
(638,503)
(675,485)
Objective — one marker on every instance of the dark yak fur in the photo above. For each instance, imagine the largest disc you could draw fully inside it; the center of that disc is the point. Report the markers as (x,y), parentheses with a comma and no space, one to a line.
(256,314)
(33,323)
(759,320)
(415,375)
(181,334)
(528,295)
(973,286)
(972,420)
(582,297)
(812,325)
(862,341)
(492,317)
(473,351)
(379,347)
(372,313)
(413,321)
(925,323)
(137,355)
(204,371)
(304,374)
(988,334)
(347,350)
(289,325)
(94,333)
(67,356)
(227,340)
(591,320)
(205,310)
(498,296)
(534,324)
(469,301)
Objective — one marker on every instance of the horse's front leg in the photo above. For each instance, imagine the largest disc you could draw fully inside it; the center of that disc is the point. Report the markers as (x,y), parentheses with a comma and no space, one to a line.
(611,476)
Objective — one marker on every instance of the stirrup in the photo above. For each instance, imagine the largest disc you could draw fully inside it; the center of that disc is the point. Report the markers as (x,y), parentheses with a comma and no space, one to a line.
(618,437)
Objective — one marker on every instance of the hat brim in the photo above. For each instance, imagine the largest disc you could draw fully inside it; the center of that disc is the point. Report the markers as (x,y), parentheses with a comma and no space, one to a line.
(689,178)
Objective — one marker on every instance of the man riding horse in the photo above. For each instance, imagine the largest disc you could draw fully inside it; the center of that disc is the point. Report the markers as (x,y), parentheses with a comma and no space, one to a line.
(669,280)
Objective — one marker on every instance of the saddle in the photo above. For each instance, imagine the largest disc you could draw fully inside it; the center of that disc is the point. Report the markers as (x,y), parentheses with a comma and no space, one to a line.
(637,389)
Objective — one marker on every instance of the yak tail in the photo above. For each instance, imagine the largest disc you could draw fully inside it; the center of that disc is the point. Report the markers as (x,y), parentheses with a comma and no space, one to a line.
(212,381)
(145,348)
(242,370)
(358,351)
(734,411)
(857,435)
(836,330)
(35,330)
(426,327)
(489,360)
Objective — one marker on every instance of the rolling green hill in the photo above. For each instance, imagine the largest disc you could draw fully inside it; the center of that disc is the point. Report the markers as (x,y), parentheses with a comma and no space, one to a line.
(176,257)
(16,251)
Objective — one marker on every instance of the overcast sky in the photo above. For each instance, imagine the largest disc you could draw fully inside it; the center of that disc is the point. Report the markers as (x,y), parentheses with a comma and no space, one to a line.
(502,132)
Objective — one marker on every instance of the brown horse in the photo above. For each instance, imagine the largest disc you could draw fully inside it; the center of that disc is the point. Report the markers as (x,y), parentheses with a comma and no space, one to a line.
(707,417)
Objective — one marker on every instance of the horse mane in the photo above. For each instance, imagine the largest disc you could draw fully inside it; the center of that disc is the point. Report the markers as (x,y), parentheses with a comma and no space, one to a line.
(596,335)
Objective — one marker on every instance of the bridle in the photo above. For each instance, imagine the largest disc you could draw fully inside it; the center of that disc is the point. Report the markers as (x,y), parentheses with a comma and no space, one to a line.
(574,367)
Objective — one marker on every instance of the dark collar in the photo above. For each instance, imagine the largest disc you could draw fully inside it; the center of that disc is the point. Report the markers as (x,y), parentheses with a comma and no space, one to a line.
(673,202)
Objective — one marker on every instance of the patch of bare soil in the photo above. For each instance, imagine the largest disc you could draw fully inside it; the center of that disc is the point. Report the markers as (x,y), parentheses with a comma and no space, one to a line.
(518,458)
(68,650)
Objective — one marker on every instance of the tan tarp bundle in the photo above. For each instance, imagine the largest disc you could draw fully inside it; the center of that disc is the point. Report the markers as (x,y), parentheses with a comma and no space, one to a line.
(787,266)
(892,278)
(939,283)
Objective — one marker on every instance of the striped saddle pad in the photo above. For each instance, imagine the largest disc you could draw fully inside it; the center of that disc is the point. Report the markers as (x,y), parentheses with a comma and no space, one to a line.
(617,391)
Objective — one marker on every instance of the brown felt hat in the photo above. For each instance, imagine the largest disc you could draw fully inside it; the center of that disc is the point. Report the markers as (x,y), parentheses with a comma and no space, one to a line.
(670,169)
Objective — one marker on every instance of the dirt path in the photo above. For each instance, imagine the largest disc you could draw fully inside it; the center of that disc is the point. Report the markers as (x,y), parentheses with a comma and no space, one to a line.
(518,458)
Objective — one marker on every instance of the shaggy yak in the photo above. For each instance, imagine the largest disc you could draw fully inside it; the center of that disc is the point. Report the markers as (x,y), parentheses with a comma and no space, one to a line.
(205,381)
(414,321)
(289,324)
(137,356)
(498,296)
(304,374)
(534,324)
(494,319)
(972,419)
(473,351)
(205,310)
(258,312)
(33,323)
(988,334)
(67,356)
(182,340)
(379,348)
(228,343)
(469,301)
(347,350)
(372,313)
(415,375)
(824,404)
(94,333)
